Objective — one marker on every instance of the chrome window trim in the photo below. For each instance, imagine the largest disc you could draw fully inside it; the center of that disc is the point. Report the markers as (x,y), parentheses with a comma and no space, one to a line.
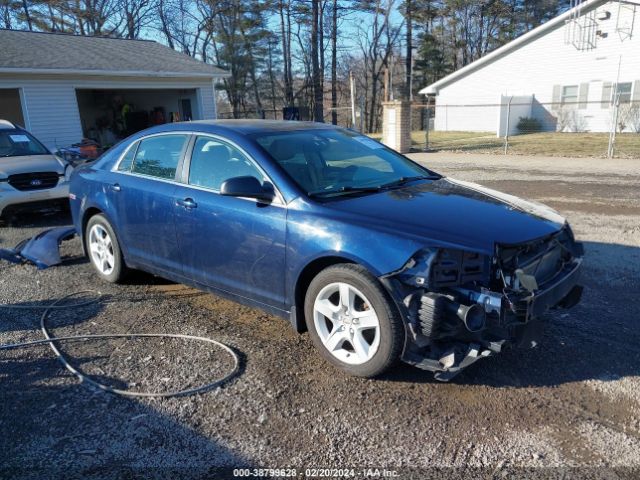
(187,166)
(150,177)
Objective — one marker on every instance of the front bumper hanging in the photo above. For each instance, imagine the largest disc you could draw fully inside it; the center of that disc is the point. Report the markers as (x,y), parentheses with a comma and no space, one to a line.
(449,331)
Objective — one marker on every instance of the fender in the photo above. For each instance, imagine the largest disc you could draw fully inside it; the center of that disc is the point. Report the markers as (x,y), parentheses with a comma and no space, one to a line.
(99,200)
(310,238)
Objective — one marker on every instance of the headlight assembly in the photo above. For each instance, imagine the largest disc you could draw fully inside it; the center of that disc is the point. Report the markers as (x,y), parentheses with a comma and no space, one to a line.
(443,267)
(68,170)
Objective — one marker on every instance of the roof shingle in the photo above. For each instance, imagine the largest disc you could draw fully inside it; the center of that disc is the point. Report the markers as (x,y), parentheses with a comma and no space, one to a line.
(94,55)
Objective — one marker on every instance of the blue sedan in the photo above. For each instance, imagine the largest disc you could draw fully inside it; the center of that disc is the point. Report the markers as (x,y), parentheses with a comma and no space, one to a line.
(379,258)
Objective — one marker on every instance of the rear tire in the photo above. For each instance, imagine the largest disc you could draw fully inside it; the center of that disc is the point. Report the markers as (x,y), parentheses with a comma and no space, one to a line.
(103,250)
(352,320)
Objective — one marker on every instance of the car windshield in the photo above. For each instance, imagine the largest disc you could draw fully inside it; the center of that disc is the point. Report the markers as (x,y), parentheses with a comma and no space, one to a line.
(18,143)
(328,163)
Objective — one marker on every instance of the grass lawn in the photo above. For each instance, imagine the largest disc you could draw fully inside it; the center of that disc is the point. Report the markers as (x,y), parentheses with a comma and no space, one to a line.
(546,143)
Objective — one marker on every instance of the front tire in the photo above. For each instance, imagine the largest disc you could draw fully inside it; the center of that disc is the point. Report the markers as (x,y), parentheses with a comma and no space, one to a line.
(352,320)
(103,250)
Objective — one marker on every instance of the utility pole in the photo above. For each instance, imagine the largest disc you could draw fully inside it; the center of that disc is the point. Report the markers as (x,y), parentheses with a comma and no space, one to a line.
(408,5)
(352,88)
(386,85)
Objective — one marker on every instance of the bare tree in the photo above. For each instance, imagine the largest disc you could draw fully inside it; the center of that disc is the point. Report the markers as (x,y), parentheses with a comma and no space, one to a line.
(284,10)
(377,41)
(318,94)
(138,14)
(334,62)
(408,15)
(6,13)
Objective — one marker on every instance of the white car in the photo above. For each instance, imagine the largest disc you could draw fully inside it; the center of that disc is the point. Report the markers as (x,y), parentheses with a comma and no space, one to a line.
(31,177)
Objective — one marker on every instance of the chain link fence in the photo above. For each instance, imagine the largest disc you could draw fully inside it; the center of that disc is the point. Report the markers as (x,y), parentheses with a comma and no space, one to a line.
(524,126)
(517,125)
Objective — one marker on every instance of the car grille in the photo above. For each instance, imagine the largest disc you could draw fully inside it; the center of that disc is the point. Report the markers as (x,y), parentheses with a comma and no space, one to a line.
(34,181)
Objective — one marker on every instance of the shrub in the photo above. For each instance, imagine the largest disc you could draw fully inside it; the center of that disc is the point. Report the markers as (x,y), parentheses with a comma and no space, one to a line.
(529,125)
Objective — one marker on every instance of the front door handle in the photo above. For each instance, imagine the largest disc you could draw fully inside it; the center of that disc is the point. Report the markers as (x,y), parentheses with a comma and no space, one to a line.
(116,187)
(186,203)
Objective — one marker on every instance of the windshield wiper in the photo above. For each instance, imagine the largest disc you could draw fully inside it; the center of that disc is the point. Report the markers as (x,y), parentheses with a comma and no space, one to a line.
(350,189)
(346,190)
(404,180)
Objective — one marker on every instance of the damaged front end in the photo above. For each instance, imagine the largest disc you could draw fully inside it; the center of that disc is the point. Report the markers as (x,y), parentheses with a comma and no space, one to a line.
(461,306)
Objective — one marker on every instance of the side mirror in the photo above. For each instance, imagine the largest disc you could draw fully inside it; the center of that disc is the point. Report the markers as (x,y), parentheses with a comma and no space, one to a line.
(249,187)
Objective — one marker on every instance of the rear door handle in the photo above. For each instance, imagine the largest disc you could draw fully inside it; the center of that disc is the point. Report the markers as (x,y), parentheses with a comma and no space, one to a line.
(116,187)
(186,203)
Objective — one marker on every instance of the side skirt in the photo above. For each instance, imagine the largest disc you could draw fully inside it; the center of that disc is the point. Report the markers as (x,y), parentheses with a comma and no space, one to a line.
(215,291)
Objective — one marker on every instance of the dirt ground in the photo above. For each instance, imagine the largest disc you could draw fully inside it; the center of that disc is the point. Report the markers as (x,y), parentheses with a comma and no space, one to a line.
(567,409)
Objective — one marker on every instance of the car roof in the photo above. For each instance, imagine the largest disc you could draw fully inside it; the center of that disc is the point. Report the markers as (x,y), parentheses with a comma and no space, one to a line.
(244,127)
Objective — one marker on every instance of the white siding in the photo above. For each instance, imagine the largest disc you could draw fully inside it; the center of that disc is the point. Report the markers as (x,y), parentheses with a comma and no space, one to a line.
(535,68)
(50,110)
(51,105)
(207,96)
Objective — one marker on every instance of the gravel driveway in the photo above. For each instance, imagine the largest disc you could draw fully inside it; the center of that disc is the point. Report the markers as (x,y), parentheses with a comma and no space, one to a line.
(571,406)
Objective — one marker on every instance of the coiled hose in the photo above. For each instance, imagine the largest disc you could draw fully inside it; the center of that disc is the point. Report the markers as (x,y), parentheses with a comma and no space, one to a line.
(87,380)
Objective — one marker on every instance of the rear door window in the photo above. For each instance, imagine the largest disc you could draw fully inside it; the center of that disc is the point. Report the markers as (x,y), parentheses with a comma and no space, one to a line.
(159,156)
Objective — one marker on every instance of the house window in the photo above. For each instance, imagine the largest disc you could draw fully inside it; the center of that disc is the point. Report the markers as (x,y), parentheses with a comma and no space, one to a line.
(569,95)
(623,90)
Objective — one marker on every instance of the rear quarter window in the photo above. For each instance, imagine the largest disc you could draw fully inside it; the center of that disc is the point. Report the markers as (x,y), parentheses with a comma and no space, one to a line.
(127,160)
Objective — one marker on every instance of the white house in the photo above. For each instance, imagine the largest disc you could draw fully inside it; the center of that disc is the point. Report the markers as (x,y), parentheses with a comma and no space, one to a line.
(64,87)
(566,73)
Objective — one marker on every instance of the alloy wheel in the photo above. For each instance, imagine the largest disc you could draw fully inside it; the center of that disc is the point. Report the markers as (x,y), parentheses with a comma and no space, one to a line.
(101,249)
(346,323)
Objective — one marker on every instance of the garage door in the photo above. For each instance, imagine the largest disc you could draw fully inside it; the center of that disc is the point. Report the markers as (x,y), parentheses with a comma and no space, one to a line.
(10,107)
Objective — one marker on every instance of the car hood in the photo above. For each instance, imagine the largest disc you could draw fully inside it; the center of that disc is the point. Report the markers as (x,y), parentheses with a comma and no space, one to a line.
(447,211)
(28,164)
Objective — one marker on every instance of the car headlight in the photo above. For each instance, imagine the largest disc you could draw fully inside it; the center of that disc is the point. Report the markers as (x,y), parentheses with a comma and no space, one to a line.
(68,170)
(458,267)
(444,267)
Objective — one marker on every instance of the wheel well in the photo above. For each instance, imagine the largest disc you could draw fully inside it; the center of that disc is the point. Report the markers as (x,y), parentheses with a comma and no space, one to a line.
(304,280)
(90,212)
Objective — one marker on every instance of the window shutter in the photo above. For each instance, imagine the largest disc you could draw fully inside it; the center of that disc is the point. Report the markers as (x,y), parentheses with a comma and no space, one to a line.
(606,94)
(557,97)
(583,97)
(636,93)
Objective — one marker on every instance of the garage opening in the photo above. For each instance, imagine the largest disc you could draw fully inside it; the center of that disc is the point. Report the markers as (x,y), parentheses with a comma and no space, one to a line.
(10,106)
(108,116)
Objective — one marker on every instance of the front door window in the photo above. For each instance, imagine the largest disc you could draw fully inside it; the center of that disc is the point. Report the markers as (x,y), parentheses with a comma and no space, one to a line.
(213,162)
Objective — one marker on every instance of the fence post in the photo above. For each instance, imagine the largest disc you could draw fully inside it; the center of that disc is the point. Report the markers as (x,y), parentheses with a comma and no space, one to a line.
(506,132)
(614,114)
(614,126)
(426,130)
(396,129)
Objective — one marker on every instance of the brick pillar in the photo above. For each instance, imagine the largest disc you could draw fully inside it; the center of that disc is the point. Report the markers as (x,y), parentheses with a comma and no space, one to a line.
(396,125)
